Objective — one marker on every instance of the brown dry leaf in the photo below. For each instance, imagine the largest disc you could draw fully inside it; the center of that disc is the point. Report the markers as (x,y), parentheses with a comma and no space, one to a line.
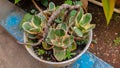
(85,4)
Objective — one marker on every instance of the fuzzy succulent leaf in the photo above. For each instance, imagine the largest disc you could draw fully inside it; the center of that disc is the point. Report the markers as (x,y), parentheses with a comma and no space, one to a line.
(46,46)
(78,31)
(73,46)
(73,12)
(27,27)
(51,34)
(51,6)
(48,40)
(35,30)
(59,32)
(59,53)
(36,21)
(62,26)
(27,18)
(86,18)
(89,27)
(43,17)
(80,14)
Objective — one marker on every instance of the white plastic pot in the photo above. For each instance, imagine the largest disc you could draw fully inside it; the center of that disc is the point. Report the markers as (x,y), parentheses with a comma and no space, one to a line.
(59,64)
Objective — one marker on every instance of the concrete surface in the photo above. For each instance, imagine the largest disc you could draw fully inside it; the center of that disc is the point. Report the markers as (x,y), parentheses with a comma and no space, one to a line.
(13,55)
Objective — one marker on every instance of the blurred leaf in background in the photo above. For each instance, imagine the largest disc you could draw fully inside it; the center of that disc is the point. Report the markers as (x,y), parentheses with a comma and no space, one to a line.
(16,1)
(108,7)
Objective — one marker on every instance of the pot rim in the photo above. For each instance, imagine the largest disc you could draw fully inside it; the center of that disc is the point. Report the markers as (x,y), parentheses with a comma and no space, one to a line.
(63,62)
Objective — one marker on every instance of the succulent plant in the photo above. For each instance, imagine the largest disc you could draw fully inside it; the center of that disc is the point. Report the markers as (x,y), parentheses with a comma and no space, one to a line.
(57,28)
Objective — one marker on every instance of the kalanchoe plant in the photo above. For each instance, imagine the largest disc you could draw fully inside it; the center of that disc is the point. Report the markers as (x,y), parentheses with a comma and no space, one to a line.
(57,29)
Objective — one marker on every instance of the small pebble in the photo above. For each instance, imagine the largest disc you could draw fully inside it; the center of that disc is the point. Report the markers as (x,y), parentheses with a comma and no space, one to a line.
(116,33)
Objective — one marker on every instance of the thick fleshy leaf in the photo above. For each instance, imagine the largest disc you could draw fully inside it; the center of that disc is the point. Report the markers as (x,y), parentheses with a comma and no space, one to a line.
(59,53)
(58,20)
(67,41)
(46,46)
(73,46)
(48,41)
(26,26)
(60,32)
(35,30)
(36,21)
(73,12)
(62,26)
(89,27)
(85,19)
(27,18)
(51,34)
(108,6)
(31,36)
(43,18)
(29,28)
(80,14)
(77,31)
(51,6)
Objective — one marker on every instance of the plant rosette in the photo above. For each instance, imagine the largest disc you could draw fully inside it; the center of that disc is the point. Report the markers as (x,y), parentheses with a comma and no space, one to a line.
(58,36)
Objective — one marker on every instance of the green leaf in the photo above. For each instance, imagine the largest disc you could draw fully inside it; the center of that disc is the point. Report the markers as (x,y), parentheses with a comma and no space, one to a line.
(43,18)
(73,12)
(16,1)
(68,2)
(69,54)
(59,32)
(44,2)
(51,6)
(85,19)
(68,40)
(27,27)
(27,18)
(48,40)
(78,3)
(59,53)
(80,14)
(51,34)
(89,27)
(62,26)
(46,46)
(73,46)
(108,6)
(58,20)
(77,31)
(40,52)
(36,21)
(34,30)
